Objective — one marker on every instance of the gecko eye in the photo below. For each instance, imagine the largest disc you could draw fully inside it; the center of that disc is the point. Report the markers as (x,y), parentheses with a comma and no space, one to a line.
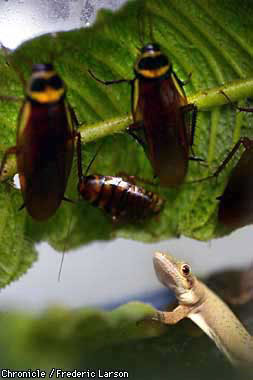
(186,270)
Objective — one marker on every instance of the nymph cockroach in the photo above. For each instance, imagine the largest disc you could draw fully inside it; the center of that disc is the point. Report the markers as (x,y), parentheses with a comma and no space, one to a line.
(121,199)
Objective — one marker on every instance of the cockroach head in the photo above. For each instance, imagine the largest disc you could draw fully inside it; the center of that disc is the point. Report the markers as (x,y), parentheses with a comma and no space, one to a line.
(151,47)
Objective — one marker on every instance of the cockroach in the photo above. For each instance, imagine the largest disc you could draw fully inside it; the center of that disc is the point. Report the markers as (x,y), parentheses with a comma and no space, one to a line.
(159,109)
(236,202)
(44,143)
(119,198)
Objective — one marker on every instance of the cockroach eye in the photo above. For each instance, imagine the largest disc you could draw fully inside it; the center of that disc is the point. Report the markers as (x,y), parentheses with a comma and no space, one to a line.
(55,82)
(38,85)
(186,270)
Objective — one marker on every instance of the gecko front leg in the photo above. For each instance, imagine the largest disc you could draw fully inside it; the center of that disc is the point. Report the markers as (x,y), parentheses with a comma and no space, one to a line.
(169,317)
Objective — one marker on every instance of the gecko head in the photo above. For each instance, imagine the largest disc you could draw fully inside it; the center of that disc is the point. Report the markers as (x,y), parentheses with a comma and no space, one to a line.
(175,275)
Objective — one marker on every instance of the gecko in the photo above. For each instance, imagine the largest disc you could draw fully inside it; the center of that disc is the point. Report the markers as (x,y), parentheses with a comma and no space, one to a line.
(197,302)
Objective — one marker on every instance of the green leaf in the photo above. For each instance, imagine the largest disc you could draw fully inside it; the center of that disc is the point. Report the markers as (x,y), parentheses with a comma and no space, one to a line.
(16,249)
(211,39)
